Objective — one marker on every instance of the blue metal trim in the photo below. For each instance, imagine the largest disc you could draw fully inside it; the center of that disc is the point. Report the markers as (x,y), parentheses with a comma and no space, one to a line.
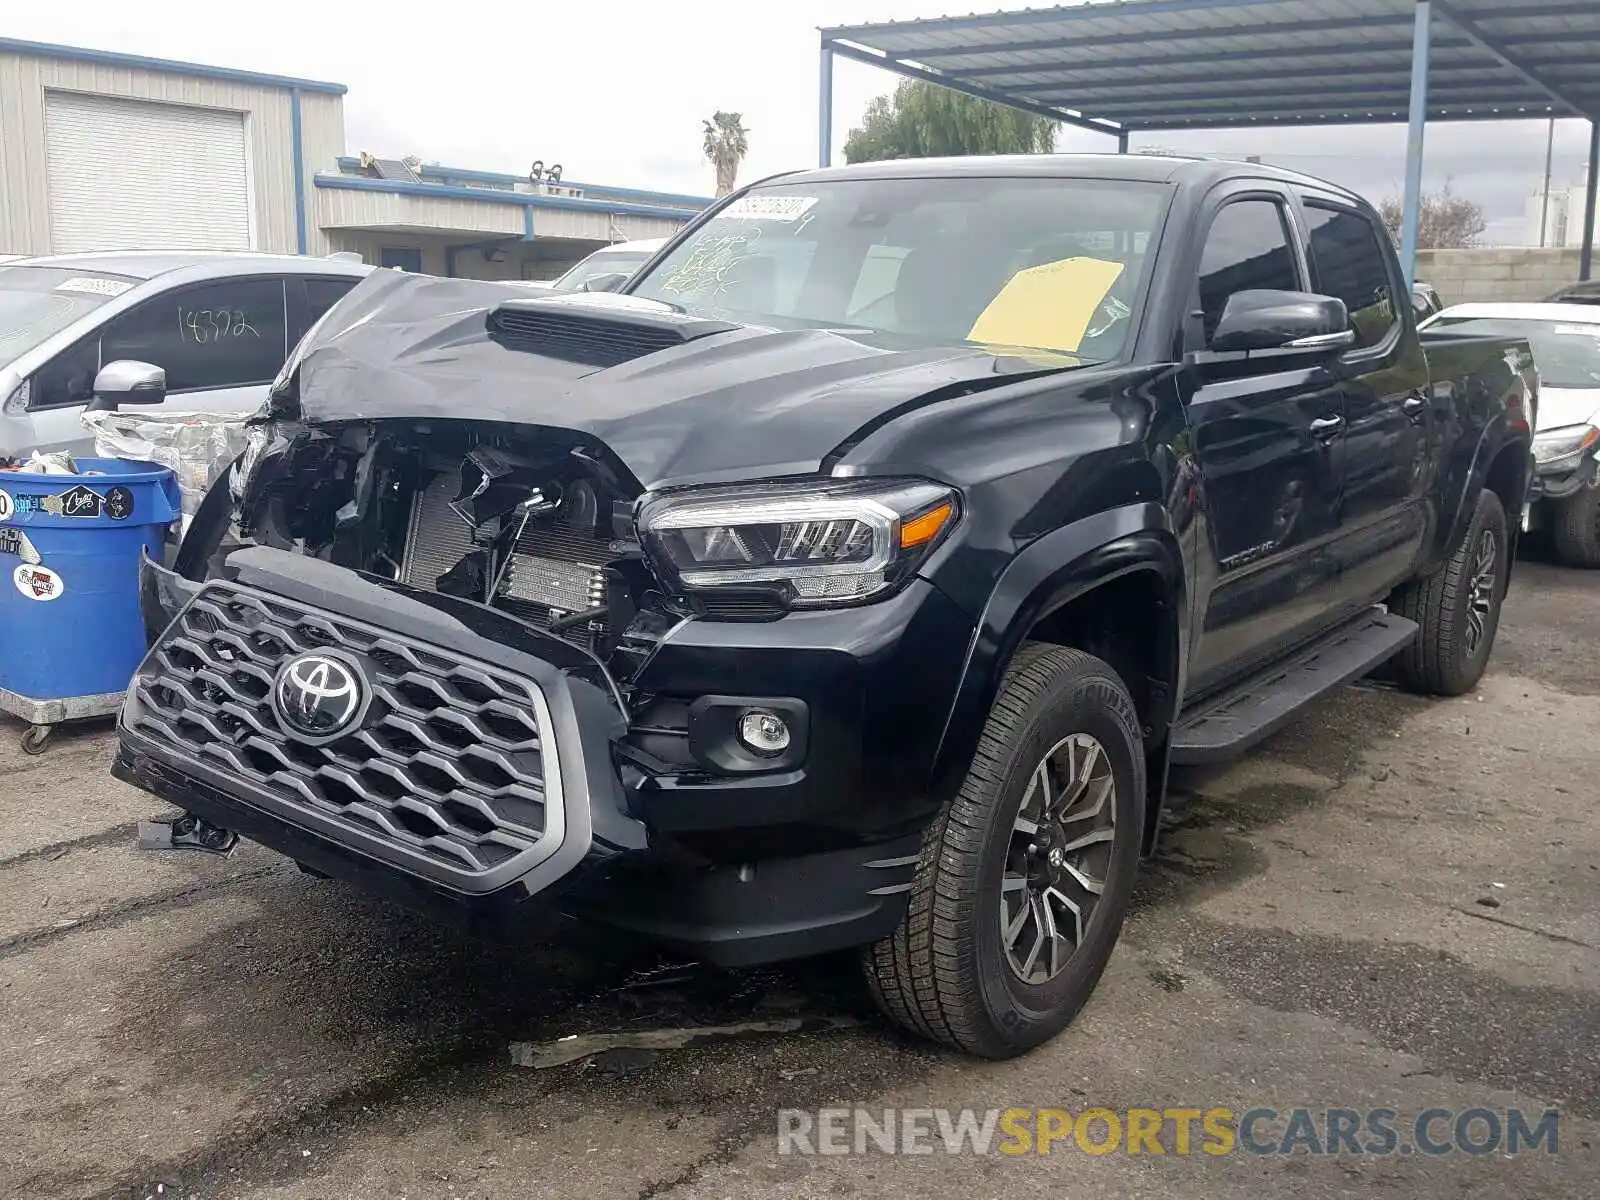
(955,85)
(1398,116)
(299,171)
(108,58)
(1367,96)
(527,223)
(1412,219)
(1374,77)
(348,163)
(439,191)
(1504,57)
(825,107)
(1586,256)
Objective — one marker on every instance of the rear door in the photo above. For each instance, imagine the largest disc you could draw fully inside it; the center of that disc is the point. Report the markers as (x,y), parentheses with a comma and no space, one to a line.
(1384,456)
(220,342)
(1265,438)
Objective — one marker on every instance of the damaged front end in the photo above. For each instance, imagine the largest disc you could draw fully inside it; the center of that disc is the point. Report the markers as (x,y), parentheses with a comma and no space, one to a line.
(457,659)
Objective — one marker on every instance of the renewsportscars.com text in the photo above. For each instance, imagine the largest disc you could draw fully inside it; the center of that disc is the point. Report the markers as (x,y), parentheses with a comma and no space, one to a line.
(1215,1132)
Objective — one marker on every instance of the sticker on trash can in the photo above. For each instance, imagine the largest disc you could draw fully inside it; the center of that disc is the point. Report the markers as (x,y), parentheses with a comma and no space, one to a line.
(77,501)
(38,583)
(119,503)
(14,541)
(6,506)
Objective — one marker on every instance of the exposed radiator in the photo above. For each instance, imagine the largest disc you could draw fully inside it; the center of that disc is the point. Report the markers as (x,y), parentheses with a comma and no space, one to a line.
(553,567)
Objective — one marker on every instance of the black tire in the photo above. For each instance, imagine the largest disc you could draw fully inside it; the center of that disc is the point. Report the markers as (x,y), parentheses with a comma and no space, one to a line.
(1576,529)
(1444,660)
(944,973)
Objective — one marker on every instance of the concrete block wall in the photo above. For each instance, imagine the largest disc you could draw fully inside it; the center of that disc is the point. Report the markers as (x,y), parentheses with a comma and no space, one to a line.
(1513,274)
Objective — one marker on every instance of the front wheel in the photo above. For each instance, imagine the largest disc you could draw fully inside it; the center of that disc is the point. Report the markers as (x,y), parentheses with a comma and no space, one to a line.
(1576,528)
(1457,608)
(1025,875)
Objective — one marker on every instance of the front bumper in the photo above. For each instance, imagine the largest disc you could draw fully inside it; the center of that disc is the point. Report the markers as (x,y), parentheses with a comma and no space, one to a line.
(735,868)
(1563,478)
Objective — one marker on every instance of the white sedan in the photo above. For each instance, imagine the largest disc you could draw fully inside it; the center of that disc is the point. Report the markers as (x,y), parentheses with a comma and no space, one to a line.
(1566,350)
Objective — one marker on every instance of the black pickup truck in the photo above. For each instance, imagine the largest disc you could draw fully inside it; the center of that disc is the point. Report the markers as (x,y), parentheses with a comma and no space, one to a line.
(852,581)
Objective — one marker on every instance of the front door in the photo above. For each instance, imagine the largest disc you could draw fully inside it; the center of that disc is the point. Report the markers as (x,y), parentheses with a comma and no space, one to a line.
(220,343)
(1265,436)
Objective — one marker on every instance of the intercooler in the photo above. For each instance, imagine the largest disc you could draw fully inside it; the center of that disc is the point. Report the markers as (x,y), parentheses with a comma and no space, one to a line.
(555,569)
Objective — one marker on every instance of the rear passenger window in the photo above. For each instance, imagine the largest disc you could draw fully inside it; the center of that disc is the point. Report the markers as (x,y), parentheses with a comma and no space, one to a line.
(323,294)
(1247,249)
(213,335)
(1348,261)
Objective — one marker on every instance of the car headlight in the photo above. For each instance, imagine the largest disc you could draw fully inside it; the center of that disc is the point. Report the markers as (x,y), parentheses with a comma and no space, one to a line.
(819,545)
(256,440)
(1570,441)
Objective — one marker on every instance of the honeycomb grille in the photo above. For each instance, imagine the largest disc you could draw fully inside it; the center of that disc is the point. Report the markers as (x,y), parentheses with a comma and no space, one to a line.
(445,765)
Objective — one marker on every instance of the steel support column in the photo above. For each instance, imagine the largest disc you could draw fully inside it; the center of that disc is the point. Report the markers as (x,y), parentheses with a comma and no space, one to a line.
(1586,260)
(1421,51)
(825,108)
(1122,142)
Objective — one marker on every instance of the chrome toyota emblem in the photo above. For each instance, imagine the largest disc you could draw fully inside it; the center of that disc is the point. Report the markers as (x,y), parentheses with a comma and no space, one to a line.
(319,695)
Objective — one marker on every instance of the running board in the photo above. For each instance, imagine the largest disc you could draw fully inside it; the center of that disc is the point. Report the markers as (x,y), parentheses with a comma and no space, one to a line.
(1231,723)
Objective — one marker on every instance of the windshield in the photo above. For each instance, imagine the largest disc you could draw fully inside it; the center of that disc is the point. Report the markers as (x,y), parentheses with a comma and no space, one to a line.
(1051,264)
(602,262)
(36,302)
(1567,355)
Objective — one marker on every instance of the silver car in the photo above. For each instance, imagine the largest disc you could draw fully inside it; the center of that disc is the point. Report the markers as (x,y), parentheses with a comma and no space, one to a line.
(192,331)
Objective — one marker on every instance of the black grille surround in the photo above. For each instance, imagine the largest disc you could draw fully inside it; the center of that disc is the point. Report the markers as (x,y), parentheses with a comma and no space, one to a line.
(452,771)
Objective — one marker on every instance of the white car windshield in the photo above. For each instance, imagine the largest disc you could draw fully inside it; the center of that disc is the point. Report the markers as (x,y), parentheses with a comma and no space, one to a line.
(36,302)
(1053,264)
(602,262)
(1567,353)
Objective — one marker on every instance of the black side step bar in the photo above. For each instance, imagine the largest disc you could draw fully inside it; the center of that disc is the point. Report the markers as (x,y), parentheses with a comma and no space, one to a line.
(1229,724)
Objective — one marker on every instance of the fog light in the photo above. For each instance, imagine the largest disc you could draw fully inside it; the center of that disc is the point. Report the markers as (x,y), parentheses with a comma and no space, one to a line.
(764,732)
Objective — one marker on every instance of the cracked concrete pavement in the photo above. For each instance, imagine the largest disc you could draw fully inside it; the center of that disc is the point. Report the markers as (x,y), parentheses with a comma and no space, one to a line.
(1395,902)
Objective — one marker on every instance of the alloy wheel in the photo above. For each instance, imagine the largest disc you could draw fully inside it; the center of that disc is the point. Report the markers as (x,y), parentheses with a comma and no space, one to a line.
(1058,858)
(1482,589)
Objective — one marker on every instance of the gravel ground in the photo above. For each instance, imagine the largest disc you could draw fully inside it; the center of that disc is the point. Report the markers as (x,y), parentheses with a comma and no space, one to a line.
(1395,903)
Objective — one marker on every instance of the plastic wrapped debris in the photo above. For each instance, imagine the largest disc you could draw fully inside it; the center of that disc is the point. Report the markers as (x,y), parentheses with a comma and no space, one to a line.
(196,446)
(56,462)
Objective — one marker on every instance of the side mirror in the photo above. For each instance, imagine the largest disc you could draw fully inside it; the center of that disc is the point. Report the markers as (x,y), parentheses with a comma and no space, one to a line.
(1289,321)
(611,281)
(128,381)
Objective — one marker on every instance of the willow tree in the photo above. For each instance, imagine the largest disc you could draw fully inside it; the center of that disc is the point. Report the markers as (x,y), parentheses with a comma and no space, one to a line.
(924,120)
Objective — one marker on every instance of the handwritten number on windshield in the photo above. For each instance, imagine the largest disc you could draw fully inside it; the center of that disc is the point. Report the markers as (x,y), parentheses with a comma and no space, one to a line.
(202,326)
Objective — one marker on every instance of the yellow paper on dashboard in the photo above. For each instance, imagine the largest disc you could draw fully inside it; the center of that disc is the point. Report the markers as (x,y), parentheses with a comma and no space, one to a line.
(1048,306)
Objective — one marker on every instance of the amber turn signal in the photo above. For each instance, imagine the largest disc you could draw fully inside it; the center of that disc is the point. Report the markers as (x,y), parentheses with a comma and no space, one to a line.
(921,530)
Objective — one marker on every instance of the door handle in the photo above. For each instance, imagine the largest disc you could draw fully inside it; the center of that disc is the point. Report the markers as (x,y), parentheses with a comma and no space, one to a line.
(1415,407)
(1326,427)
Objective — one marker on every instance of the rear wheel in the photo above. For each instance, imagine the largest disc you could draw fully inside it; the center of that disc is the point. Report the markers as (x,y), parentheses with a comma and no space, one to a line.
(1576,528)
(1457,608)
(1026,873)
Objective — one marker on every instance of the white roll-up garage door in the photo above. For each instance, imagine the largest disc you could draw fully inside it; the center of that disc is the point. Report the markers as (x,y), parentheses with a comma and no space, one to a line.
(133,175)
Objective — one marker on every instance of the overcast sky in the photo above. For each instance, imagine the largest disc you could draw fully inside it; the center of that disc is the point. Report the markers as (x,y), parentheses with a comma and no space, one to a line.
(615,91)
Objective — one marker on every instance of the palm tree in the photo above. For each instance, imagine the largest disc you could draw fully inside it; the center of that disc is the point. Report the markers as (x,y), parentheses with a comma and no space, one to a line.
(727,142)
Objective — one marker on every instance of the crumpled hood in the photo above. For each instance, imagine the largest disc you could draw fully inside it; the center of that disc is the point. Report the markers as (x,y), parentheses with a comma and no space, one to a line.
(1560,407)
(726,402)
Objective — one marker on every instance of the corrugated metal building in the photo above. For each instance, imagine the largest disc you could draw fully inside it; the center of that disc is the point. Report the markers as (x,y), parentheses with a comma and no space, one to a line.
(106,151)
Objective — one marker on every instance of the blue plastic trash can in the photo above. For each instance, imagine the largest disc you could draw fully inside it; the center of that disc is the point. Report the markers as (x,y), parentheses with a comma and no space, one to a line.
(70,629)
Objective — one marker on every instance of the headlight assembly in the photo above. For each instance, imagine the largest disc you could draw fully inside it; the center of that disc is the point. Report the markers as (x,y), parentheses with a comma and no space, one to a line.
(256,439)
(819,545)
(1553,446)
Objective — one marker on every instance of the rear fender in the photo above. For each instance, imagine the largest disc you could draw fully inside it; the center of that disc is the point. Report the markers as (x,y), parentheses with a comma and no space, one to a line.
(1050,573)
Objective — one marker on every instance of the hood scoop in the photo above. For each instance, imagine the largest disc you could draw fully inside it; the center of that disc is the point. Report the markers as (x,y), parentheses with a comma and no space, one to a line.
(601,335)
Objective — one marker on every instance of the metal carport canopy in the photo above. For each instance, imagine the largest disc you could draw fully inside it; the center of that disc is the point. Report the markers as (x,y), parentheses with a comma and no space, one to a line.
(1135,66)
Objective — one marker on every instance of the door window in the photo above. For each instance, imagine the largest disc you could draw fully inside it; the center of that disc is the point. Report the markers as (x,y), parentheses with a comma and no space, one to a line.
(1248,248)
(230,333)
(1349,262)
(323,294)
